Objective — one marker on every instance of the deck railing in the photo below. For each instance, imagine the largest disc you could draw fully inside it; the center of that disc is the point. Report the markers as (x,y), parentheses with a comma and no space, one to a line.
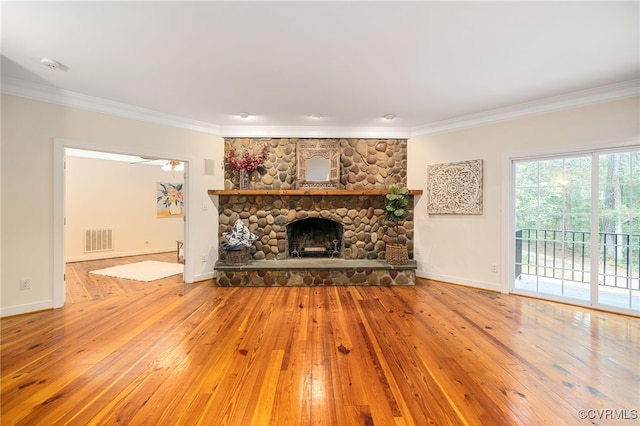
(563,254)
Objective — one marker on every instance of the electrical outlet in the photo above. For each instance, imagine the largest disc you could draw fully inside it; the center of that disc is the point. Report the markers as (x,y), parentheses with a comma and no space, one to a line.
(203,258)
(25,284)
(494,268)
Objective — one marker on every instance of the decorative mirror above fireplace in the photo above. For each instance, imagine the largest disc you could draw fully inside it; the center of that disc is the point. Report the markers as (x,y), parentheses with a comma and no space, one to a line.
(318,164)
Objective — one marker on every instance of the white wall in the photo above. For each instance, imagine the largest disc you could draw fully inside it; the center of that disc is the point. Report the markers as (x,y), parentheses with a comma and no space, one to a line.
(28,131)
(460,248)
(120,196)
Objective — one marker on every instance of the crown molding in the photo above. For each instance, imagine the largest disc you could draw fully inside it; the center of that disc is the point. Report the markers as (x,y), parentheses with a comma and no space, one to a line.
(315,132)
(67,98)
(595,95)
(63,97)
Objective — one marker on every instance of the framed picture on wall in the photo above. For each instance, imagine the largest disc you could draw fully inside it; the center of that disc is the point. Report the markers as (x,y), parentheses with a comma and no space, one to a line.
(169,199)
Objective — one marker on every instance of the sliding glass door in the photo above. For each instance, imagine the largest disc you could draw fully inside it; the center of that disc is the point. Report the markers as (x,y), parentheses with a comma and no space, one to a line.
(577,236)
(619,230)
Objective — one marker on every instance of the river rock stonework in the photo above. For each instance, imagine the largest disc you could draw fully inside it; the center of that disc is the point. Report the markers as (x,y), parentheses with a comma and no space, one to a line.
(356,276)
(267,216)
(365,163)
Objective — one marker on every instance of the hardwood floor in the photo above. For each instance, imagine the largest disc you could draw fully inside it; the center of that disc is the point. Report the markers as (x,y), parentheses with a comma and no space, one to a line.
(434,353)
(82,286)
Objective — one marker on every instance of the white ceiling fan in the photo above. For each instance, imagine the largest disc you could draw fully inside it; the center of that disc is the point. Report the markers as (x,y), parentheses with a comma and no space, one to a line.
(173,166)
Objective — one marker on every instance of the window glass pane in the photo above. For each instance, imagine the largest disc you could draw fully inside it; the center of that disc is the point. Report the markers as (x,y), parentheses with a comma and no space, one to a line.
(553,222)
(619,239)
(526,174)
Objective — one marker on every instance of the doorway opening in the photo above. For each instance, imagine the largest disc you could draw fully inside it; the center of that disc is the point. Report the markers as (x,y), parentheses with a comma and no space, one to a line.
(133,204)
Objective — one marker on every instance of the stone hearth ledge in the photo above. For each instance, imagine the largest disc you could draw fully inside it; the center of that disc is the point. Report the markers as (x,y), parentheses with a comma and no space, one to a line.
(314,272)
(311,263)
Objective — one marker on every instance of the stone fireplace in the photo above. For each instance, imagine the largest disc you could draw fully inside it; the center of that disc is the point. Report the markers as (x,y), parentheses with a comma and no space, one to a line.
(270,216)
(308,237)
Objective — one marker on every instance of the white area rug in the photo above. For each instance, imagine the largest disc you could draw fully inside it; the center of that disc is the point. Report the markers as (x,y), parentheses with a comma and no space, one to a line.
(149,270)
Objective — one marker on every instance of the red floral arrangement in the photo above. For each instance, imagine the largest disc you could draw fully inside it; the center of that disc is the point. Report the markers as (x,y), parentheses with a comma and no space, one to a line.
(246,161)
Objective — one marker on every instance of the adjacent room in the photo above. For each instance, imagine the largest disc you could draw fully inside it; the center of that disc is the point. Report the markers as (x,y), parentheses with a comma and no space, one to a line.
(122,213)
(341,213)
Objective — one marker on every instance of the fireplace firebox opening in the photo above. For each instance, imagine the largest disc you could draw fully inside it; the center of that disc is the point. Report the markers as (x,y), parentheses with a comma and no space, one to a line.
(314,237)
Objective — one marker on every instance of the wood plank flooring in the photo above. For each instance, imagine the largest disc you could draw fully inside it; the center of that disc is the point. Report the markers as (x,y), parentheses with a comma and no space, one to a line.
(434,353)
(82,286)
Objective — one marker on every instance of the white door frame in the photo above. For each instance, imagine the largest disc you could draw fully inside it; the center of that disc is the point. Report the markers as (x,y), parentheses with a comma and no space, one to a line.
(59,146)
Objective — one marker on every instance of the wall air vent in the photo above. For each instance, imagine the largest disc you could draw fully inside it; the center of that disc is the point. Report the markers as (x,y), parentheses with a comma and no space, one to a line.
(98,240)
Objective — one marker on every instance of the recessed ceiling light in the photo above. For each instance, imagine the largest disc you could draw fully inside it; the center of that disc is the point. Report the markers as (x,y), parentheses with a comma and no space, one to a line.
(50,63)
(315,115)
(243,115)
(389,116)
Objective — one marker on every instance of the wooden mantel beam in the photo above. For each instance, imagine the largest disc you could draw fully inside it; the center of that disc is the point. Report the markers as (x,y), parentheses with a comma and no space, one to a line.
(305,191)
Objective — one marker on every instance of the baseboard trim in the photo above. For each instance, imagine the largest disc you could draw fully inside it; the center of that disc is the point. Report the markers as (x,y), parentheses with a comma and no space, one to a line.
(28,308)
(112,255)
(459,281)
(202,277)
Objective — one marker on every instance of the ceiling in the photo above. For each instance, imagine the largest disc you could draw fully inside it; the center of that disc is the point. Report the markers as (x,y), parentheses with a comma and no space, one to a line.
(200,64)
